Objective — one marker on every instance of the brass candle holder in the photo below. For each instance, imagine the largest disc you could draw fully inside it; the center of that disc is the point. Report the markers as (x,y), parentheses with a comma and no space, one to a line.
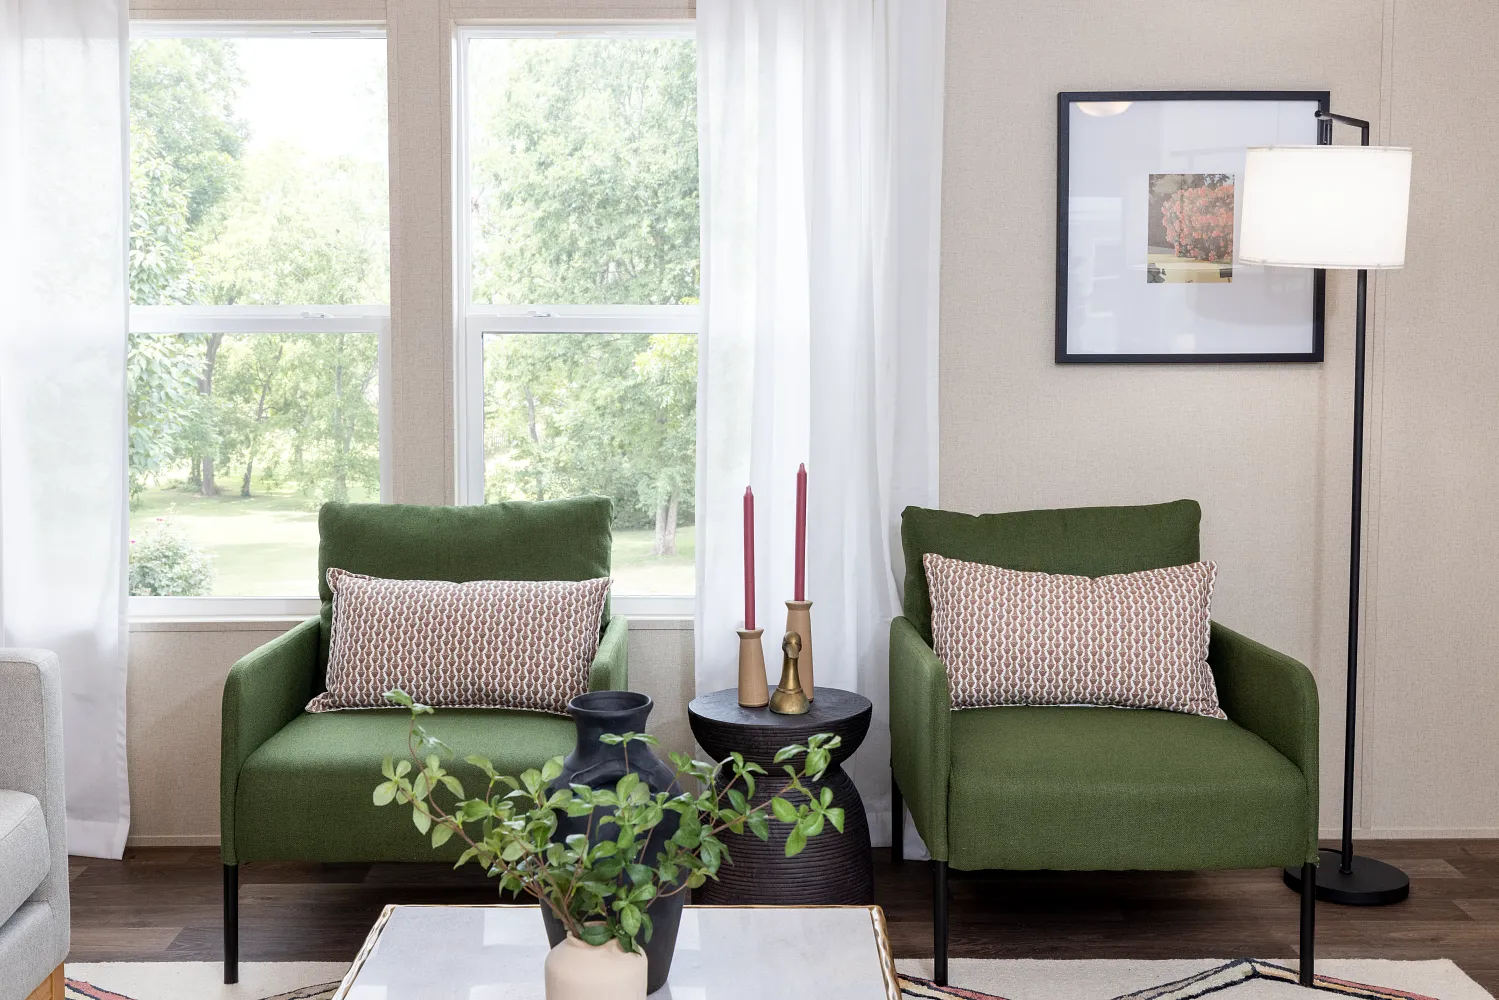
(752,684)
(799,620)
(789,698)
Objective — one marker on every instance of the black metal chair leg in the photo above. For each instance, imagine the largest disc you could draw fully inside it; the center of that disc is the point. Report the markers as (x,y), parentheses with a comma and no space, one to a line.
(939,922)
(897,823)
(1308,923)
(231,923)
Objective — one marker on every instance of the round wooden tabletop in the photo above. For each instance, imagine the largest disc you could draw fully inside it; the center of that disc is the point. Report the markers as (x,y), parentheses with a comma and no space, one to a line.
(722,725)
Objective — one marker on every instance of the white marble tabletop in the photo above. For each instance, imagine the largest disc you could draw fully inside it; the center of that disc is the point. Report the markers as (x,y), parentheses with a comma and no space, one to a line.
(723,953)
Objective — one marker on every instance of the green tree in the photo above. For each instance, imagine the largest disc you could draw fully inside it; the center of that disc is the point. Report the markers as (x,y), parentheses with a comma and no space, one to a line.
(215,223)
(185,149)
(586,193)
(329,413)
(586,175)
(164,406)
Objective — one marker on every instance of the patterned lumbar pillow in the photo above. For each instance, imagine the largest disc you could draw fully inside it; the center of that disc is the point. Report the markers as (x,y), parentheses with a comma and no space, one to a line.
(485,644)
(1134,640)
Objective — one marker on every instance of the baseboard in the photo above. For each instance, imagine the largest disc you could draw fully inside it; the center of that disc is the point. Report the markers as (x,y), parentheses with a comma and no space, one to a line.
(1333,833)
(1330,833)
(173,840)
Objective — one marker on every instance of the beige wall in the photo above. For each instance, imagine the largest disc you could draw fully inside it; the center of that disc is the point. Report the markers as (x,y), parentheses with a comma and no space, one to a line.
(1264,448)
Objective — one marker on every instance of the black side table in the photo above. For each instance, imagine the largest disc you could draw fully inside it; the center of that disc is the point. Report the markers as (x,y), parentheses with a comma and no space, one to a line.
(834,868)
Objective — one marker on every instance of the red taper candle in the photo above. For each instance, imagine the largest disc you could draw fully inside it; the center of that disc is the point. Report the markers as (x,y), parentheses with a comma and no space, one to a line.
(749,559)
(800,587)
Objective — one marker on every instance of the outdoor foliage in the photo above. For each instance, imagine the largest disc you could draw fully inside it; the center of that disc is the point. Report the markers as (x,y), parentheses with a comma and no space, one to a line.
(585,192)
(614,414)
(600,891)
(164,562)
(1200,219)
(585,180)
(212,224)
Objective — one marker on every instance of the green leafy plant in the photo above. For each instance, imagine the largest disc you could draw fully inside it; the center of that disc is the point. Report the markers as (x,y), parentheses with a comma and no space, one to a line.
(164,562)
(601,890)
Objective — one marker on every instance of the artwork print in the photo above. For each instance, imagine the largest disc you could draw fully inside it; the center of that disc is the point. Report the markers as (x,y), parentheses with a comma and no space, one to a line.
(1148,221)
(1191,228)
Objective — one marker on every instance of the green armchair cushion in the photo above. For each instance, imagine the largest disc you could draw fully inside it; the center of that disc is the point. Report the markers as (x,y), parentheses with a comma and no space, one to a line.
(520,540)
(287,775)
(1084,541)
(305,793)
(1106,788)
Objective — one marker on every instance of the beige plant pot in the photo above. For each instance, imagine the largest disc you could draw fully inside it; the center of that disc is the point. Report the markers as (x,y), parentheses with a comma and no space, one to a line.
(577,970)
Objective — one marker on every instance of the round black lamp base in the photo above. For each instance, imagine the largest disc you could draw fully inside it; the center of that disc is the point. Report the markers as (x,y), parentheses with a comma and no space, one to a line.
(1370,883)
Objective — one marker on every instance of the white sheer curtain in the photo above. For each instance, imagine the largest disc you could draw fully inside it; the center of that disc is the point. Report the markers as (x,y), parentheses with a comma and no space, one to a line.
(821,148)
(63,321)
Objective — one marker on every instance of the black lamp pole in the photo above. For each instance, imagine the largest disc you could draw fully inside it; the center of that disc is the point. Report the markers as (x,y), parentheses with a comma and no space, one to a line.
(1342,876)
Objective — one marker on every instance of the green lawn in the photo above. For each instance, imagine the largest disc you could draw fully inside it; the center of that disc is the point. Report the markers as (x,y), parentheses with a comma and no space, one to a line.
(266,546)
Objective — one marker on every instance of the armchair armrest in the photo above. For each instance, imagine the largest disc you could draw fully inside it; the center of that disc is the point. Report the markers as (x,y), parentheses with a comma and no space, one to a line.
(611,670)
(31,761)
(920,732)
(1274,697)
(264,691)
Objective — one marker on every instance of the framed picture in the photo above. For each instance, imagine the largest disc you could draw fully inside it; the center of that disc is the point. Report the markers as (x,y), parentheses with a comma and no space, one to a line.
(1147,224)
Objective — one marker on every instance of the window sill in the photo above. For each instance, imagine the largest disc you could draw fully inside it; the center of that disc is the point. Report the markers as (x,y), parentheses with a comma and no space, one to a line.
(280,623)
(214,623)
(275,609)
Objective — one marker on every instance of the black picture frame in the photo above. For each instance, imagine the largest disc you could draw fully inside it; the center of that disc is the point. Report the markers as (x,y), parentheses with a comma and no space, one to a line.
(1065,99)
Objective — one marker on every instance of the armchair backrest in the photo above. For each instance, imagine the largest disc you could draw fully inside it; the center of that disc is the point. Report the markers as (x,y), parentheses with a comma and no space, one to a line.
(512,540)
(1083,541)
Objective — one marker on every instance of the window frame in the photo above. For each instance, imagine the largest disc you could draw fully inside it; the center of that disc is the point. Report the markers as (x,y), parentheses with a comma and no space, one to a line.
(473,321)
(241,320)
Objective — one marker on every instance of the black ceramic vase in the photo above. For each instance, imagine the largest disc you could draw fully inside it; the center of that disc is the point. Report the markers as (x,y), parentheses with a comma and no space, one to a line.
(600,765)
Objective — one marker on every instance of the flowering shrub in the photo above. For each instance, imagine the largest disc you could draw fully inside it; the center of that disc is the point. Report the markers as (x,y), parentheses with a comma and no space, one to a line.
(1200,222)
(164,562)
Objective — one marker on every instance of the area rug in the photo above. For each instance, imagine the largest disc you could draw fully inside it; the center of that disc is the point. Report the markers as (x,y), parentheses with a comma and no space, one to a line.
(202,981)
(1241,979)
(971,979)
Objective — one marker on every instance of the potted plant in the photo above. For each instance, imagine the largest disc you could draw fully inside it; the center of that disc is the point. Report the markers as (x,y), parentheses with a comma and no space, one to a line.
(600,883)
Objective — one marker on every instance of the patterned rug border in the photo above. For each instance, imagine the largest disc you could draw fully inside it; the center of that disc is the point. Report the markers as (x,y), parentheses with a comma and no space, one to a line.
(77,989)
(1219,978)
(1214,980)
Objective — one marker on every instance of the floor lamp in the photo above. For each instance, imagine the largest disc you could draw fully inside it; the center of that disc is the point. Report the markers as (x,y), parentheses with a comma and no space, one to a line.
(1342,207)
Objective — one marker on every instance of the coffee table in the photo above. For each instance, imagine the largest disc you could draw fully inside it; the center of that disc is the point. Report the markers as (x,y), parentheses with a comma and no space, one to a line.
(723,953)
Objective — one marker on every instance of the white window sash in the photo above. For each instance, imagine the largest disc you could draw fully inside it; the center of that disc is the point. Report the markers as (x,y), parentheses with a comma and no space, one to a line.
(259,319)
(165,28)
(660,28)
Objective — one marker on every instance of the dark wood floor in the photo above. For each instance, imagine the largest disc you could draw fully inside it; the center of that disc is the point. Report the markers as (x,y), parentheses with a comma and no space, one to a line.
(164,904)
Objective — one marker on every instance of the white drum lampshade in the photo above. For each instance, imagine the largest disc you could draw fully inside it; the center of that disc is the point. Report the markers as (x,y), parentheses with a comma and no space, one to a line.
(1325,206)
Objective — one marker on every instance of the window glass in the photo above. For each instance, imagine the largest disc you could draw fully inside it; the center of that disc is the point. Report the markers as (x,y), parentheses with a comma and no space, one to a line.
(583,170)
(582,199)
(226,482)
(258,171)
(258,192)
(614,414)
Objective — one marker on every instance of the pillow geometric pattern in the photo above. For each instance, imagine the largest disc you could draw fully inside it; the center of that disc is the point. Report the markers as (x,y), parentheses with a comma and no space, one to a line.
(484,644)
(1132,640)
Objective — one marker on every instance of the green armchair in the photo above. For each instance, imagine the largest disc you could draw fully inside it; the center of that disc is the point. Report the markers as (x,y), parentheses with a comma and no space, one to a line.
(296,786)
(1077,789)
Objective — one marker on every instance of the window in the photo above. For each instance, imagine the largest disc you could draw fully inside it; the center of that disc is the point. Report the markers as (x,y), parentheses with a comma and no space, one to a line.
(578,279)
(259,275)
